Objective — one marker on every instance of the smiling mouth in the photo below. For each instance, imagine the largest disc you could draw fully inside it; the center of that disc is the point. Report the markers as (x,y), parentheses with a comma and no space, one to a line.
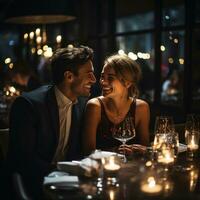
(106,90)
(88,87)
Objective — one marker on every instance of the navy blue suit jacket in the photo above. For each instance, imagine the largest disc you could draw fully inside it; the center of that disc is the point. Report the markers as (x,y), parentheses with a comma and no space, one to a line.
(34,134)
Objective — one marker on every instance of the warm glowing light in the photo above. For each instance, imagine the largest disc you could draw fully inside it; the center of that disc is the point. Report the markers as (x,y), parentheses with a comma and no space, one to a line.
(162,48)
(175,40)
(151,186)
(181,61)
(70,46)
(45,47)
(25,36)
(12,89)
(192,145)
(148,164)
(121,52)
(58,38)
(39,39)
(10,65)
(112,195)
(7,60)
(37,31)
(140,55)
(132,56)
(48,53)
(39,51)
(31,35)
(33,50)
(171,60)
(146,56)
(111,165)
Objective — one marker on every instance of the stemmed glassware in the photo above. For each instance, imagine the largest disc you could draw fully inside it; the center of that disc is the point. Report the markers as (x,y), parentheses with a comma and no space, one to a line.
(165,135)
(124,132)
(164,124)
(192,134)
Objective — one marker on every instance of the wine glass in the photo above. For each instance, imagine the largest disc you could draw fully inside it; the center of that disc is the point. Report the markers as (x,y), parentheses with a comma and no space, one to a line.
(164,124)
(192,123)
(124,132)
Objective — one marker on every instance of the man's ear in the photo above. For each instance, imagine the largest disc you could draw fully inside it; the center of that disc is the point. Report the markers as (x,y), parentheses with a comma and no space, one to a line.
(69,76)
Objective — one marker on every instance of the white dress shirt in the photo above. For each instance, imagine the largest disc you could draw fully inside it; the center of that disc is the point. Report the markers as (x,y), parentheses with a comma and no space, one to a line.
(65,113)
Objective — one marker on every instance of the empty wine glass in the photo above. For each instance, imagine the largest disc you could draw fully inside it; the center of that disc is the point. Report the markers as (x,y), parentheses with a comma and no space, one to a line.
(164,124)
(124,132)
(192,123)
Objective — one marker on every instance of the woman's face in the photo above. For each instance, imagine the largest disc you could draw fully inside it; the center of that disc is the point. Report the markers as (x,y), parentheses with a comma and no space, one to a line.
(110,84)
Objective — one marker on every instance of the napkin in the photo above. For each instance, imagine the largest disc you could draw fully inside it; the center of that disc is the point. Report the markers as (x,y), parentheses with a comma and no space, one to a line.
(86,167)
(98,154)
(61,178)
(182,148)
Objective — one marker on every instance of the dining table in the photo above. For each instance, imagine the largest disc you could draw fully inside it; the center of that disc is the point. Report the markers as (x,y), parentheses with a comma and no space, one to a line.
(140,178)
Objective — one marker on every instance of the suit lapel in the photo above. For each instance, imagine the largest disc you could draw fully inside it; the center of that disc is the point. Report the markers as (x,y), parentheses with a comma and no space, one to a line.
(53,112)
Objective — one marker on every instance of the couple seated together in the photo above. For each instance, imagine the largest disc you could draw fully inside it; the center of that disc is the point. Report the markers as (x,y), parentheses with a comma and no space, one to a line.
(46,123)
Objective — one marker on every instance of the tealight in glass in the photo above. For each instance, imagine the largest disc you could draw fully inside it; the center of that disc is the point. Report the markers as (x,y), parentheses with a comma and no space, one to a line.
(192,141)
(111,165)
(151,183)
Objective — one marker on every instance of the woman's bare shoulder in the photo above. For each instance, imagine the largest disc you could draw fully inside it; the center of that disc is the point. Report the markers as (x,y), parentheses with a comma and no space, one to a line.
(141,104)
(94,103)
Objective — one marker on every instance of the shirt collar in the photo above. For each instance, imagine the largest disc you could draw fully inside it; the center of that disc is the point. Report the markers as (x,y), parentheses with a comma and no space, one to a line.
(62,100)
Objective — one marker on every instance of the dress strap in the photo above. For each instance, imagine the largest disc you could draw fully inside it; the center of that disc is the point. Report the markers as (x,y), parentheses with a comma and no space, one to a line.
(133,110)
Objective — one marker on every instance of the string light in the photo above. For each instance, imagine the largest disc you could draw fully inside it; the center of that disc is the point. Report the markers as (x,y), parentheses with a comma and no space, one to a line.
(162,48)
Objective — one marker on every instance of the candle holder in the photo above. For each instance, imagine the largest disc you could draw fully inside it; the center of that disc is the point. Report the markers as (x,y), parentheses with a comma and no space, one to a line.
(192,141)
(166,155)
(112,165)
(150,183)
(166,158)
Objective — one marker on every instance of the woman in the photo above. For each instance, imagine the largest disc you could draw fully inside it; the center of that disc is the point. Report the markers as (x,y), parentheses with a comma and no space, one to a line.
(118,81)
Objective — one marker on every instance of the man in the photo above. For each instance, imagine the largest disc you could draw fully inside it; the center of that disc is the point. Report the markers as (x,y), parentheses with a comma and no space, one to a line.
(45,123)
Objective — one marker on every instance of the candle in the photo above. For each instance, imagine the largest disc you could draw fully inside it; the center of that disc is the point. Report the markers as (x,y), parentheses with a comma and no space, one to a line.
(111,165)
(167,157)
(151,186)
(192,146)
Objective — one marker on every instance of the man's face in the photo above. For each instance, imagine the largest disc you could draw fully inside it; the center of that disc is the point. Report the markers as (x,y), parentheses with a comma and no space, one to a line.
(82,82)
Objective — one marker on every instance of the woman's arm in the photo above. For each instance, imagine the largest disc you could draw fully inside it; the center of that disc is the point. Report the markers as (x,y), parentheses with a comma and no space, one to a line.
(142,121)
(91,120)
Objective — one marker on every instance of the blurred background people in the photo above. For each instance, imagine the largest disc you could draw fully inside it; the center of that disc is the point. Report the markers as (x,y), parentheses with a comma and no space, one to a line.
(170,87)
(23,76)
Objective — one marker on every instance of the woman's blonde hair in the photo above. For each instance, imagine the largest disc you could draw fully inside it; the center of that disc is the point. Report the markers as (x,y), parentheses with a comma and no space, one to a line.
(126,69)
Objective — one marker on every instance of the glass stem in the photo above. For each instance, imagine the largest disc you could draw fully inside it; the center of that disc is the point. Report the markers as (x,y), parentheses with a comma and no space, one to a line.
(124,143)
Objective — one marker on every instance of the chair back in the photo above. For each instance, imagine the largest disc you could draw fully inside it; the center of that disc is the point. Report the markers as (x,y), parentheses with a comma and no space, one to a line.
(19,188)
(4,139)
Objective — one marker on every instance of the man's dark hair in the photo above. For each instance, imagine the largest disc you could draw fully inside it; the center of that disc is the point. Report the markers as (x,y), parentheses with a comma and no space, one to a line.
(69,59)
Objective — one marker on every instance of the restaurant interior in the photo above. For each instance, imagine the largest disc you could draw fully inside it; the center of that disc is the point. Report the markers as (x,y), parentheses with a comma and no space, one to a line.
(163,37)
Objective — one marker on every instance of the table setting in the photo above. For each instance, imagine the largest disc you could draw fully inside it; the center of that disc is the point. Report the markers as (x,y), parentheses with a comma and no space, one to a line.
(166,170)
